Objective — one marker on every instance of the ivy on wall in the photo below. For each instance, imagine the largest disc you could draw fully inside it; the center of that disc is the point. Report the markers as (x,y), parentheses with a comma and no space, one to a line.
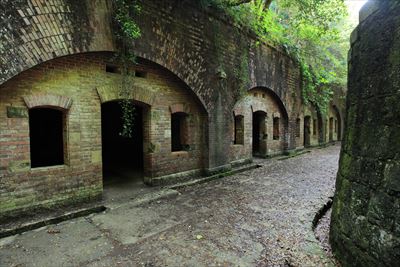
(310,31)
(127,31)
(313,32)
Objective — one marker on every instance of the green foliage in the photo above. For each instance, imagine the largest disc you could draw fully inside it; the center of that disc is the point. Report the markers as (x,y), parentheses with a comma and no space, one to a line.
(241,73)
(128,116)
(127,32)
(125,12)
(314,32)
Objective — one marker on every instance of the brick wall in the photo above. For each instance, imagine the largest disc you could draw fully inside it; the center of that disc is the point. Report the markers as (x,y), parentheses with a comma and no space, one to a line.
(259,99)
(314,133)
(182,46)
(72,83)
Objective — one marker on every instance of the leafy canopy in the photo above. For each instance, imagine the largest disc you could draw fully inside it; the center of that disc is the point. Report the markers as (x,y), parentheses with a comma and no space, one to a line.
(314,32)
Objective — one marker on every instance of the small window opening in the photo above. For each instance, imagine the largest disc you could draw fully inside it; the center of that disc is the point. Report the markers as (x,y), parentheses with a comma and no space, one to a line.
(255,95)
(314,127)
(46,137)
(263,95)
(140,74)
(336,126)
(275,126)
(179,131)
(239,130)
(297,127)
(112,69)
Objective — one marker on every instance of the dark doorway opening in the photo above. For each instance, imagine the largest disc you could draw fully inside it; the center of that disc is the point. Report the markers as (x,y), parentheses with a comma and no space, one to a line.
(330,129)
(320,125)
(122,156)
(338,124)
(259,133)
(179,131)
(307,131)
(239,130)
(46,137)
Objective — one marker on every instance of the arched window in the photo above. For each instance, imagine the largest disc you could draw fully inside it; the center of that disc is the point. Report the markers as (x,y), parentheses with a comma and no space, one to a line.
(298,127)
(179,131)
(46,127)
(239,130)
(275,127)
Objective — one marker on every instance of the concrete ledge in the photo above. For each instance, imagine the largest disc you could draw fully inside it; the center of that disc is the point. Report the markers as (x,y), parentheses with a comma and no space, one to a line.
(172,178)
(294,153)
(145,198)
(219,169)
(240,162)
(18,229)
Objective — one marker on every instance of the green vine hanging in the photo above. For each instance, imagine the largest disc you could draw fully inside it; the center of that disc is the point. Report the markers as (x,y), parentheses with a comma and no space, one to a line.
(127,32)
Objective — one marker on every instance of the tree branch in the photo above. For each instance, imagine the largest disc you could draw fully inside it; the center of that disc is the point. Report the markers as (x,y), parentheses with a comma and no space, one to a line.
(266,4)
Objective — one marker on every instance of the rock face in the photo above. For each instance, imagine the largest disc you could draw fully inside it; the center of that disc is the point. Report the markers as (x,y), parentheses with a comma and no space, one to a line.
(365,229)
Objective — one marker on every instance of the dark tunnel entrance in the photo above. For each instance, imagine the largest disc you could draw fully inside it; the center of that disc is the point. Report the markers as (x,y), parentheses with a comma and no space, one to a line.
(122,156)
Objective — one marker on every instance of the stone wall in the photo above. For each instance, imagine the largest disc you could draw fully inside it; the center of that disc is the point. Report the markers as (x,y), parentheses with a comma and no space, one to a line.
(365,229)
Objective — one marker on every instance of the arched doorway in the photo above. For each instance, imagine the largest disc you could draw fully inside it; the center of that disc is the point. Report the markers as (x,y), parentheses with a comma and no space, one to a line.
(331,121)
(123,159)
(320,125)
(270,123)
(307,131)
(338,123)
(259,133)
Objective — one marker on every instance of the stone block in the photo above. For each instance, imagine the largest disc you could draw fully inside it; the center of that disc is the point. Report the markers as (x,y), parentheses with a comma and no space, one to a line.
(17,112)
(19,166)
(392,176)
(380,210)
(353,39)
(368,9)
(96,156)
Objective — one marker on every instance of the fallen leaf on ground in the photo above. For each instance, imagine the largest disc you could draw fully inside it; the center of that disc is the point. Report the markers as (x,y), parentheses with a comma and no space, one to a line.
(53,231)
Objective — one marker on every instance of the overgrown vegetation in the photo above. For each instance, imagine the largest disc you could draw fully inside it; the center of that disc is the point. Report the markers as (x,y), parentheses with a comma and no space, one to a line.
(127,31)
(314,32)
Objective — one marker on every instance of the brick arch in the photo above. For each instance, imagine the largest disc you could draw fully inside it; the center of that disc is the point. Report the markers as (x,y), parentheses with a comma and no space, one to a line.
(258,105)
(77,28)
(337,111)
(39,31)
(48,100)
(339,119)
(321,126)
(111,92)
(188,76)
(309,110)
(284,117)
(240,107)
(278,100)
(180,107)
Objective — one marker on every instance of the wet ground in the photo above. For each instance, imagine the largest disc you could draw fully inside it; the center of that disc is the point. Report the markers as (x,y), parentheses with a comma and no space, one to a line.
(261,217)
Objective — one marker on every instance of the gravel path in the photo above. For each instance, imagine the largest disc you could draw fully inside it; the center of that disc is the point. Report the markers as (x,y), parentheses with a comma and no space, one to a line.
(261,217)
